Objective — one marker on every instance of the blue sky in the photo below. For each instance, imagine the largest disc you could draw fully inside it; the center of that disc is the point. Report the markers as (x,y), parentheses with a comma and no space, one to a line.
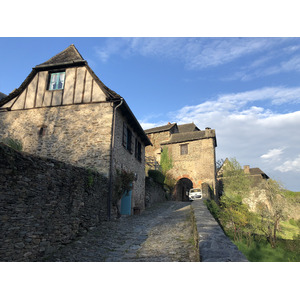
(247,89)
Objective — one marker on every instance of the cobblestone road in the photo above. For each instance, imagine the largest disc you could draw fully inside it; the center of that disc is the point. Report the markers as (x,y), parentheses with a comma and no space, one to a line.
(162,233)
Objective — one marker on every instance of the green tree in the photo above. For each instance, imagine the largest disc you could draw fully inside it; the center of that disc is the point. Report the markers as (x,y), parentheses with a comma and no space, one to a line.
(236,184)
(272,211)
(234,214)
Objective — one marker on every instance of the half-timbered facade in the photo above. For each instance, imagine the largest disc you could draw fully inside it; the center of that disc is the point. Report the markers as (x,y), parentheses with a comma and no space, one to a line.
(64,111)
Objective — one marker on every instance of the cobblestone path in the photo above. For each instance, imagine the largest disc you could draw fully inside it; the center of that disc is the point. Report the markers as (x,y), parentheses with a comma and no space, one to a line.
(162,233)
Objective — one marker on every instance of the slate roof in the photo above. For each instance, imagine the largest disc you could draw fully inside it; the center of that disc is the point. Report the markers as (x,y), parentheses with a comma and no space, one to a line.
(67,56)
(2,95)
(191,136)
(187,127)
(258,171)
(160,128)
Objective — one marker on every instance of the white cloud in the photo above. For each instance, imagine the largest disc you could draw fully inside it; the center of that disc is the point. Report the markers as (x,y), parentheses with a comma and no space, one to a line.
(290,165)
(195,53)
(272,154)
(247,131)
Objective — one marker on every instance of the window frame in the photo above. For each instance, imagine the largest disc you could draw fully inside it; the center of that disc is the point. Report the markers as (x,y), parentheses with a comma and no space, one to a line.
(127,139)
(184,149)
(138,150)
(57,81)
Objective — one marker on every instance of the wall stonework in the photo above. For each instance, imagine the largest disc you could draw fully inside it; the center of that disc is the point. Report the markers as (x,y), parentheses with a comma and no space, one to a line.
(193,155)
(155,192)
(73,122)
(123,159)
(156,140)
(76,134)
(44,204)
(198,164)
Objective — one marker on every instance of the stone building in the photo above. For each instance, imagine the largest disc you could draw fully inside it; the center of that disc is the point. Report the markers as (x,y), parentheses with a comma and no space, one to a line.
(256,175)
(257,179)
(193,155)
(62,110)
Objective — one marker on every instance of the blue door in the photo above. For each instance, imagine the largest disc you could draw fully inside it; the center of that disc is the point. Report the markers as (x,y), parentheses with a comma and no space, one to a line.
(126,203)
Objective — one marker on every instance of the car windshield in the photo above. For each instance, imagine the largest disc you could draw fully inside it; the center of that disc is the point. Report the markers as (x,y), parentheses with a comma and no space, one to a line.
(195,191)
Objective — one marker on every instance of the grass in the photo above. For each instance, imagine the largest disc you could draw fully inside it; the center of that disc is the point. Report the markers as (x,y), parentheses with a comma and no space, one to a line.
(15,144)
(261,251)
(288,231)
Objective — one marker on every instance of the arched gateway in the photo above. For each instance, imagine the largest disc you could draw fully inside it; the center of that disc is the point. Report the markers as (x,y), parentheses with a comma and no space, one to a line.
(182,187)
(192,152)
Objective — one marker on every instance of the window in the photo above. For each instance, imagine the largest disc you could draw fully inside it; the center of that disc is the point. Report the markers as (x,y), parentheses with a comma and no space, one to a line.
(42,130)
(56,81)
(184,149)
(127,138)
(138,150)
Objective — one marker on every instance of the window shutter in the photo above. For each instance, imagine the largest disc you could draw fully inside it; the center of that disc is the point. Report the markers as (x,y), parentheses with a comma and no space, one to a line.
(136,148)
(139,151)
(124,141)
(129,141)
(184,149)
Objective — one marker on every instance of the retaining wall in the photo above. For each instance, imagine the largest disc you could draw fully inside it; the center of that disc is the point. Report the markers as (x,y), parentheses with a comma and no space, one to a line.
(214,245)
(154,192)
(44,204)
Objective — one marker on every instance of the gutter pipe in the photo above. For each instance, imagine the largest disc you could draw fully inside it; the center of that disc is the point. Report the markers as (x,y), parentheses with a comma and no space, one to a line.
(112,145)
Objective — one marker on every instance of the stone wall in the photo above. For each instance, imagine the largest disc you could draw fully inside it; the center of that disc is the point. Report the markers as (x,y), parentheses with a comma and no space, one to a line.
(123,159)
(198,165)
(76,134)
(45,203)
(155,192)
(156,139)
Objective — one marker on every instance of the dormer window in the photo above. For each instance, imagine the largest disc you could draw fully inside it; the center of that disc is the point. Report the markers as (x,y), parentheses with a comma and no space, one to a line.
(56,81)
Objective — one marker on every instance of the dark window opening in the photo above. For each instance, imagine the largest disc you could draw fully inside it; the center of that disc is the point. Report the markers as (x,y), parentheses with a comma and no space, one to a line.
(127,140)
(184,149)
(42,130)
(138,150)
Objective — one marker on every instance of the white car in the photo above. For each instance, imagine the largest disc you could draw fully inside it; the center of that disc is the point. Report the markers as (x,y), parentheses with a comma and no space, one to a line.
(195,194)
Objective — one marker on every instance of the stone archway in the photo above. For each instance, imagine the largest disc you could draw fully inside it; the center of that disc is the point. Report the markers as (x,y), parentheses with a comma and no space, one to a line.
(182,187)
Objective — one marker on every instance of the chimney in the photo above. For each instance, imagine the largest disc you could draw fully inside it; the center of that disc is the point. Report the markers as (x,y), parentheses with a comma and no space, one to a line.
(247,169)
(169,123)
(207,128)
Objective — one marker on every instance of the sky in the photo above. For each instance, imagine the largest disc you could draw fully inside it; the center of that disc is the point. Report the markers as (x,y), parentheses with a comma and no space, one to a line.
(247,89)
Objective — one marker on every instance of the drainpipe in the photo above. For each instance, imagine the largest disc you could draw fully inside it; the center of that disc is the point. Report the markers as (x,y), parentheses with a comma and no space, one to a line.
(112,145)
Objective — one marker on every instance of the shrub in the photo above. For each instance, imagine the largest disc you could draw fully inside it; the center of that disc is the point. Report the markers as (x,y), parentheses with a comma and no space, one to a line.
(166,162)
(157,176)
(170,181)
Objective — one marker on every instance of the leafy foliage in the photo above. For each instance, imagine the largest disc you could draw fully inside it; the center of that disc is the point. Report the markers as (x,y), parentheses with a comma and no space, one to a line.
(170,181)
(122,183)
(166,162)
(234,215)
(157,176)
(13,143)
(274,212)
(236,183)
